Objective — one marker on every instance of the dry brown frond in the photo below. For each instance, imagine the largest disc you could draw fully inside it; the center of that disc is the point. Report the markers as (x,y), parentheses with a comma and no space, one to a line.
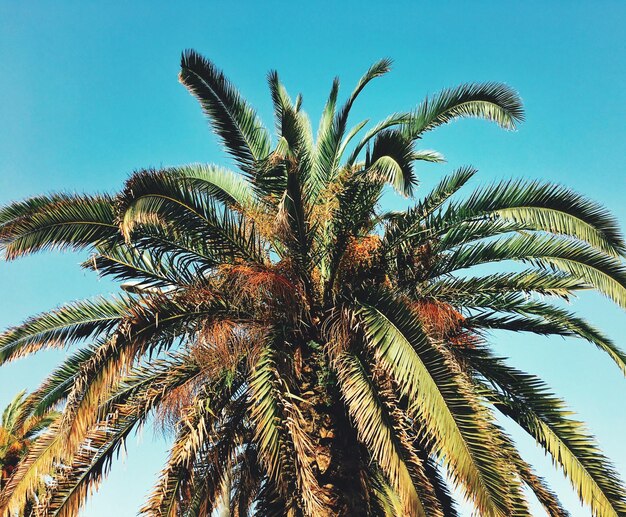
(171,409)
(222,344)
(266,288)
(338,332)
(442,322)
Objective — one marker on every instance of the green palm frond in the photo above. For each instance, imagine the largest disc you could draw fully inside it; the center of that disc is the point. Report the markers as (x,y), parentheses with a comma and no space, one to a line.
(428,155)
(327,144)
(57,222)
(63,326)
(407,225)
(603,272)
(490,101)
(541,206)
(157,199)
(376,430)
(528,401)
(233,120)
(12,413)
(331,142)
(266,421)
(456,426)
(391,121)
(562,322)
(354,131)
(541,282)
(222,184)
(158,269)
(391,161)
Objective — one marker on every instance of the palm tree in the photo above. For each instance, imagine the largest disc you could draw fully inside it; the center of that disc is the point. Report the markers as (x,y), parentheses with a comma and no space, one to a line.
(18,431)
(314,354)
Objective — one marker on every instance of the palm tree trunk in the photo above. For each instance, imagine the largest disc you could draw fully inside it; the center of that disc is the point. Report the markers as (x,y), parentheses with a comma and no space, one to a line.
(337,460)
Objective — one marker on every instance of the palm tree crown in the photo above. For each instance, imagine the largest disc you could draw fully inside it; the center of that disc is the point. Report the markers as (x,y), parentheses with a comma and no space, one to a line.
(314,354)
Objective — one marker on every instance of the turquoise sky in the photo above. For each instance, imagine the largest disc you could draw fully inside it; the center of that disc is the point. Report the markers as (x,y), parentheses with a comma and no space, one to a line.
(88,94)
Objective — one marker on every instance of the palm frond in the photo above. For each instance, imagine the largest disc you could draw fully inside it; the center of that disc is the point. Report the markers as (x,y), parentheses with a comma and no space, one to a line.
(490,101)
(528,401)
(456,426)
(218,182)
(13,411)
(234,121)
(161,267)
(267,422)
(377,431)
(56,222)
(68,492)
(201,436)
(560,321)
(405,226)
(63,326)
(545,496)
(56,387)
(391,161)
(598,270)
(545,207)
(156,198)
(548,283)
(126,410)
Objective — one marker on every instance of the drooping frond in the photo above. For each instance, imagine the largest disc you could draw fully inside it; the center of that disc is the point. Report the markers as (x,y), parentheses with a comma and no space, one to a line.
(58,384)
(561,321)
(92,462)
(546,207)
(63,326)
(453,423)
(203,433)
(174,262)
(267,423)
(490,101)
(391,161)
(128,408)
(153,326)
(56,222)
(376,431)
(528,401)
(156,198)
(538,486)
(605,273)
(222,184)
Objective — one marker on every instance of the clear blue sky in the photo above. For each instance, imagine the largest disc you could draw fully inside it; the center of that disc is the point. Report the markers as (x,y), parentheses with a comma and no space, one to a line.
(88,94)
